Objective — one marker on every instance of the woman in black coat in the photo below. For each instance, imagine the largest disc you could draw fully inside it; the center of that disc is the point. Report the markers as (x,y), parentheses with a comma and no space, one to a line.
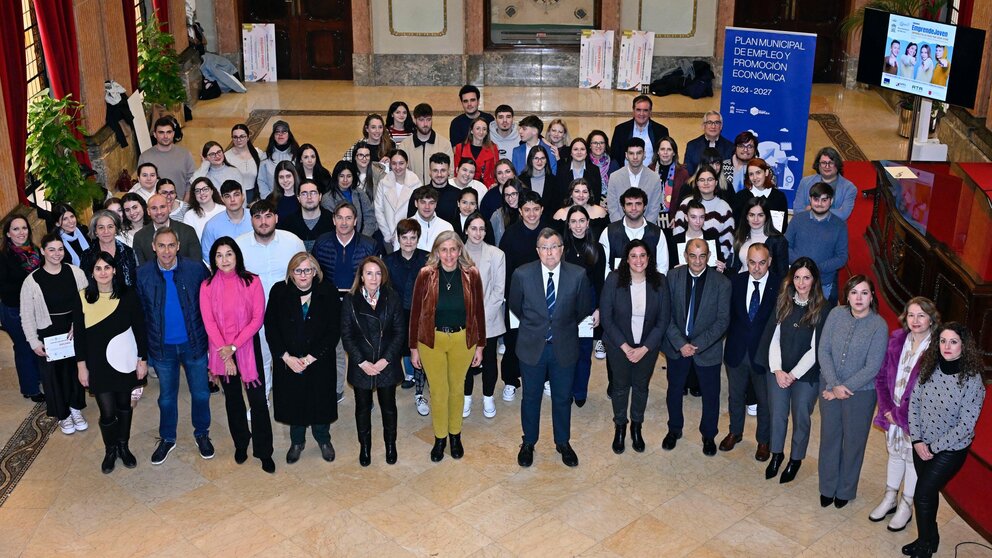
(576,165)
(373,334)
(302,327)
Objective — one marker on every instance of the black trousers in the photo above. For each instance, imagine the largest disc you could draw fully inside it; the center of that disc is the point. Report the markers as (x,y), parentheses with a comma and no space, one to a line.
(260,434)
(511,364)
(62,387)
(488,369)
(630,382)
(932,476)
(363,412)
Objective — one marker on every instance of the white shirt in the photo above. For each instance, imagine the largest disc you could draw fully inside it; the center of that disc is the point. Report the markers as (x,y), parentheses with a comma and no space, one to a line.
(661,251)
(554,278)
(750,288)
(428,231)
(269,261)
(645,134)
(635,179)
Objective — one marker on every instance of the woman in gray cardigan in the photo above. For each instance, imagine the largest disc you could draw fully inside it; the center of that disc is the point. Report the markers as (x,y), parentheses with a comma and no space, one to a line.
(850,355)
(943,411)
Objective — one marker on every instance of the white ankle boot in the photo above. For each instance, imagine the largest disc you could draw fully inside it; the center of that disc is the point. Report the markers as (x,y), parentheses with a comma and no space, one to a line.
(887,506)
(904,513)
(467,410)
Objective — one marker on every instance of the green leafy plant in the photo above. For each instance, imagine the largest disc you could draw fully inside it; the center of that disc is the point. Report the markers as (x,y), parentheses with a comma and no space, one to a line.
(158,74)
(923,9)
(51,149)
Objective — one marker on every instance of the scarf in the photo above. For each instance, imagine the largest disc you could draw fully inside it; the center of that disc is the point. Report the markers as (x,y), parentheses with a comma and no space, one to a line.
(28,257)
(949,367)
(604,169)
(76,236)
(669,184)
(373,298)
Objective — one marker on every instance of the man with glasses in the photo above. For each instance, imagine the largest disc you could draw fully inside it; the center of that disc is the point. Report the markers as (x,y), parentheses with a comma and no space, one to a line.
(550,297)
(712,136)
(311,220)
(821,236)
(170,160)
(159,211)
(266,252)
(233,222)
(178,207)
(829,169)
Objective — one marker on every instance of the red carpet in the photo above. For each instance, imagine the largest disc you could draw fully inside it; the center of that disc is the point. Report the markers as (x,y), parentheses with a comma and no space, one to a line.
(970,492)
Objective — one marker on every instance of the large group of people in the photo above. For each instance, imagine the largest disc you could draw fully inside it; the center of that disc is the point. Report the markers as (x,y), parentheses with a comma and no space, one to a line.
(418,259)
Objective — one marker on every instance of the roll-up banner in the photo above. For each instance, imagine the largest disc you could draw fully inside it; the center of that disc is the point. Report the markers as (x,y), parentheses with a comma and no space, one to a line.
(767,82)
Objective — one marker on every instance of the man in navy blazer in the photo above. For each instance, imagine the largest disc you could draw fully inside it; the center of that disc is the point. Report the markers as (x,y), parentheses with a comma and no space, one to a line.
(712,136)
(550,297)
(641,126)
(700,298)
(530,129)
(752,303)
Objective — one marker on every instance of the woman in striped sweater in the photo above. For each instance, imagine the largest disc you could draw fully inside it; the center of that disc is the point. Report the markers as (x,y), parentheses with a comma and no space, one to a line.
(719,215)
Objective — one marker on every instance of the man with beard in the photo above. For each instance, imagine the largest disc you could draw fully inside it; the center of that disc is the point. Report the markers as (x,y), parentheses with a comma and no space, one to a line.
(170,160)
(424,142)
(311,220)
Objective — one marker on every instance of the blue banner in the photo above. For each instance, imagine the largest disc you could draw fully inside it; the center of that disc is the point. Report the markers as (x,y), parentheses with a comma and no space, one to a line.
(767,82)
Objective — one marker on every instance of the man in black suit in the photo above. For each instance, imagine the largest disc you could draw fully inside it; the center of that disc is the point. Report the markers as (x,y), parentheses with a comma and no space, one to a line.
(753,296)
(700,298)
(712,136)
(159,209)
(551,297)
(641,126)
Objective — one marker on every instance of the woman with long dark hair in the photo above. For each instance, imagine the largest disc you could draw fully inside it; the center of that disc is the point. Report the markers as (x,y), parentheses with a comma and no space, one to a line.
(756,226)
(246,158)
(232,304)
(582,248)
(665,162)
(538,177)
(135,216)
(204,203)
(20,257)
(508,212)
(399,121)
(370,173)
(49,304)
(111,353)
(579,194)
(943,411)
(788,350)
(309,166)
(341,188)
(493,198)
(576,165)
(285,195)
(491,263)
(282,147)
(599,155)
(372,333)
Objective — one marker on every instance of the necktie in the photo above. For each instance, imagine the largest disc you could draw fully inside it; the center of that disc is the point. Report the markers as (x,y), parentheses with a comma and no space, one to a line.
(752,307)
(306,308)
(549,296)
(691,317)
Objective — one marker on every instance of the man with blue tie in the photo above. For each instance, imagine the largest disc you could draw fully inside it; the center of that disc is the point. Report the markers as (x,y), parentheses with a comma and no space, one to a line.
(700,298)
(550,297)
(753,296)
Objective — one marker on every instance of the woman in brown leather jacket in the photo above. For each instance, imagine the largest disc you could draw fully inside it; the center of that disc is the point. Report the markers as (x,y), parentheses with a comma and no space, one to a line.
(447,334)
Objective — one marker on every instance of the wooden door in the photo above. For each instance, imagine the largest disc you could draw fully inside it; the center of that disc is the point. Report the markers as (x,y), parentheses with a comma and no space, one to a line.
(313,37)
(803,16)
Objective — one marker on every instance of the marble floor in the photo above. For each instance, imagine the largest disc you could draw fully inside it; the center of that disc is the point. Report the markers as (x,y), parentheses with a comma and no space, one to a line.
(658,503)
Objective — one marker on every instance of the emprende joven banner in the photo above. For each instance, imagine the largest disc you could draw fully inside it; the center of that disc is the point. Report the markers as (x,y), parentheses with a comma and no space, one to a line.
(767,82)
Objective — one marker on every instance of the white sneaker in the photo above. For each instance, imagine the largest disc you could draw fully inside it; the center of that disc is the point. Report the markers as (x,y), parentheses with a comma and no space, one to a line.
(422,406)
(547,389)
(600,350)
(467,410)
(77,419)
(488,407)
(509,393)
(752,410)
(501,348)
(67,426)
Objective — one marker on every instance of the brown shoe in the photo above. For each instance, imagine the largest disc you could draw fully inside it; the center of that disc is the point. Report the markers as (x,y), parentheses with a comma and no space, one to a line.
(762,453)
(730,441)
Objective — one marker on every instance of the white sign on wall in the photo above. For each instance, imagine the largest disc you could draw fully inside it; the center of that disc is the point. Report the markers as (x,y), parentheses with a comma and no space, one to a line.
(596,60)
(258,41)
(636,57)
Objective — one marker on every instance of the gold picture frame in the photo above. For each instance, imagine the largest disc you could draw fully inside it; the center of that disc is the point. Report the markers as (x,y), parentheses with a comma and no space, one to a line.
(691,33)
(441,33)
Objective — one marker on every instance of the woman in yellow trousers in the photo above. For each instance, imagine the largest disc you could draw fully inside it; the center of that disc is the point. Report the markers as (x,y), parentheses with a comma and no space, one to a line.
(447,334)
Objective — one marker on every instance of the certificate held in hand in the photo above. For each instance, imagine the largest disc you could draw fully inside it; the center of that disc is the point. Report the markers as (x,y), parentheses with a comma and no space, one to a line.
(59,347)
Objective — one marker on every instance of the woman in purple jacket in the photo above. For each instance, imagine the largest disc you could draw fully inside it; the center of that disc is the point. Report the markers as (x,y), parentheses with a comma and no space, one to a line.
(894,385)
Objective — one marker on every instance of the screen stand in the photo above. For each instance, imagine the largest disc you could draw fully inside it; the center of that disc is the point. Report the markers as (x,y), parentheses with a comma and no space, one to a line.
(921,148)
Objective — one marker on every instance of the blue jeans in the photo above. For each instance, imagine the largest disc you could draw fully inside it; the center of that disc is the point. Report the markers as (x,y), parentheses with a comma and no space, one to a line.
(25,360)
(167,368)
(561,378)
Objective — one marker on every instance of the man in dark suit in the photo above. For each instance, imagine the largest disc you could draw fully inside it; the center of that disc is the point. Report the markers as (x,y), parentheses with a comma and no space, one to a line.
(700,298)
(641,126)
(753,296)
(158,209)
(712,136)
(550,297)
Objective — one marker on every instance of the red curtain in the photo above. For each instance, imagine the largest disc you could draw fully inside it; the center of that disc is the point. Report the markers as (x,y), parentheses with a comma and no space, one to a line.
(13,86)
(57,30)
(131,35)
(162,13)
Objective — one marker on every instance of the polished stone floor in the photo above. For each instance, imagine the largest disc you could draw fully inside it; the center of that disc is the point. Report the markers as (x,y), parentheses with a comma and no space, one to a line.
(658,503)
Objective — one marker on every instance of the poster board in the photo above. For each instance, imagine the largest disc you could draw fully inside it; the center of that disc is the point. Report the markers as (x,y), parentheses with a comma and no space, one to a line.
(636,58)
(258,41)
(596,60)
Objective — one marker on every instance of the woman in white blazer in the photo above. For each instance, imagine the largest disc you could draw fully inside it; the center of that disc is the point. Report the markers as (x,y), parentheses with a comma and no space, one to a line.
(392,196)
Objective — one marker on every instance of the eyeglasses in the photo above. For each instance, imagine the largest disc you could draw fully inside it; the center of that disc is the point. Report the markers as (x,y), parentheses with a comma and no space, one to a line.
(201,190)
(215,154)
(510,194)
(309,194)
(746,146)
(241,137)
(363,155)
(827,163)
(304,271)
(712,122)
(549,249)
(597,143)
(168,194)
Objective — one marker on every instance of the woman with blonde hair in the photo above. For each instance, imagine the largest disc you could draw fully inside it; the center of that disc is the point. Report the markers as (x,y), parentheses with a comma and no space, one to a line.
(558,138)
(447,334)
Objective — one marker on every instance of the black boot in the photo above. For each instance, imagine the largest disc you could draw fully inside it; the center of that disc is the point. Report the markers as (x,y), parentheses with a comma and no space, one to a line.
(437,452)
(365,451)
(389,435)
(457,451)
(110,441)
(636,441)
(772,470)
(619,434)
(124,437)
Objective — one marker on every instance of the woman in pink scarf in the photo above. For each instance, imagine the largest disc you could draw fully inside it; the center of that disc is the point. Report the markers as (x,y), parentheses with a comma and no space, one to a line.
(232,303)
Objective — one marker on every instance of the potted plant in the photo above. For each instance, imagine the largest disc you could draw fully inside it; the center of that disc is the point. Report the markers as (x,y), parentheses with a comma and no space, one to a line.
(51,149)
(159,70)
